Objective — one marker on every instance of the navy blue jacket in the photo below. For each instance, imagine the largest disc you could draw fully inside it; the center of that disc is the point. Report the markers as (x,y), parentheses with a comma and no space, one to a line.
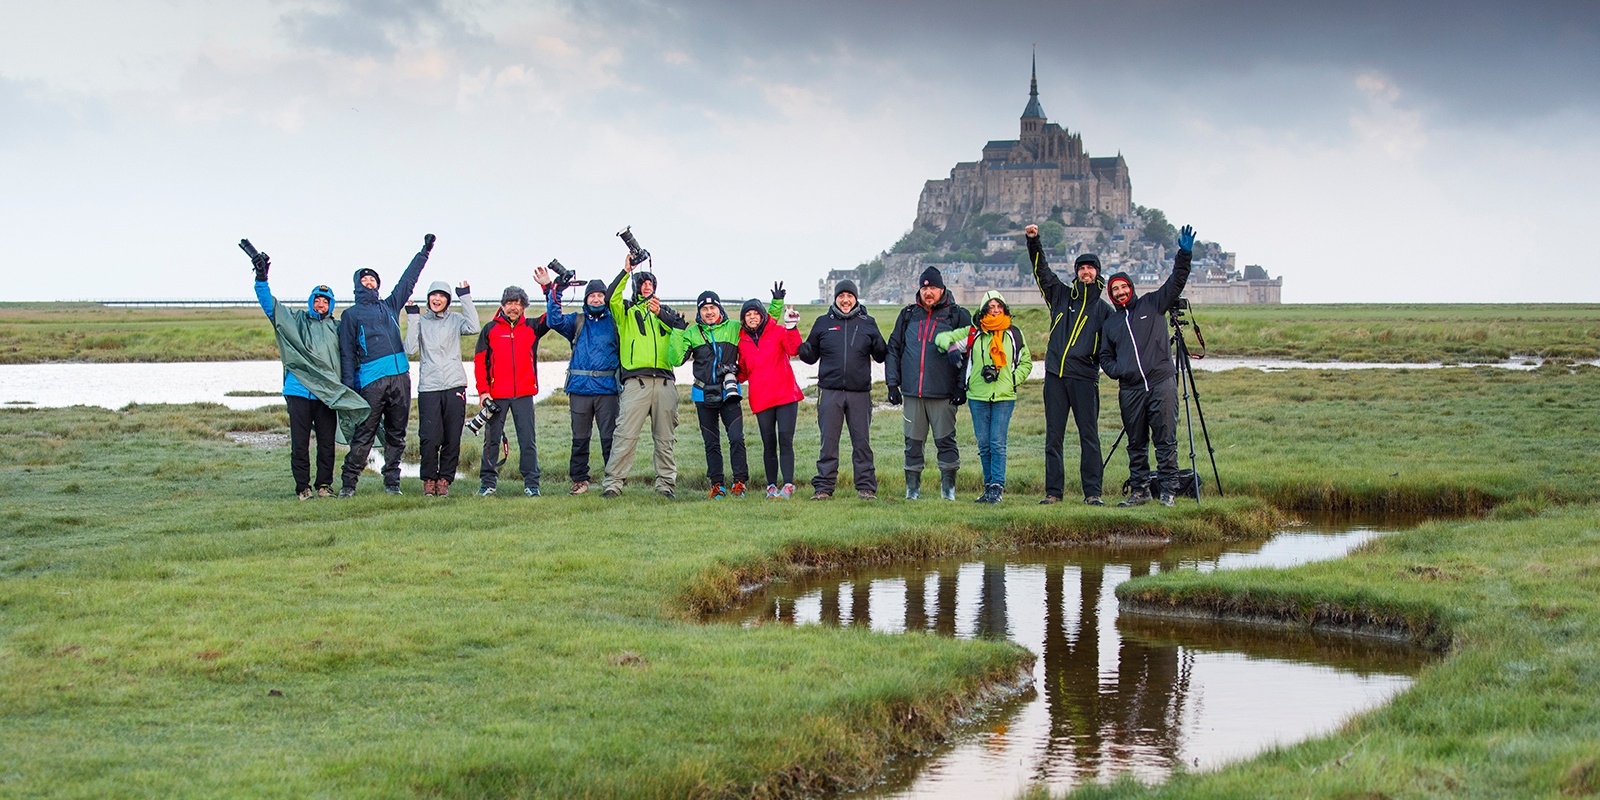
(913,362)
(370,345)
(594,349)
(1137,346)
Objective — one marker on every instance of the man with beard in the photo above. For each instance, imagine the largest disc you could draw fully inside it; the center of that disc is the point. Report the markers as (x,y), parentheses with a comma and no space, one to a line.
(843,344)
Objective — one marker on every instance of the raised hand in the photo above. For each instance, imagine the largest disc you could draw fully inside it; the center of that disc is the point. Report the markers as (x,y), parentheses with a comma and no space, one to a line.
(778,292)
(463,289)
(1032,231)
(1186,239)
(261,263)
(427,243)
(542,275)
(791,318)
(627,264)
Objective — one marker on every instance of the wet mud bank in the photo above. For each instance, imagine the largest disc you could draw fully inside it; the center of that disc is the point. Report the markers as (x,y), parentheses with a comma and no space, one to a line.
(1323,617)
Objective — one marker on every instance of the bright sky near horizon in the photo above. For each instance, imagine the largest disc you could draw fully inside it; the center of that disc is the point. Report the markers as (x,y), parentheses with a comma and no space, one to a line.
(1369,151)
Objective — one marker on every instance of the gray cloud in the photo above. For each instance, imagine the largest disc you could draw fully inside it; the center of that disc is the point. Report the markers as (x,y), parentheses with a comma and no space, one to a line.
(377,28)
(33,113)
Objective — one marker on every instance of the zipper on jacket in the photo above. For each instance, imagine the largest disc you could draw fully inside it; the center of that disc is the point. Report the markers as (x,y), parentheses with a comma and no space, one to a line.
(1127,319)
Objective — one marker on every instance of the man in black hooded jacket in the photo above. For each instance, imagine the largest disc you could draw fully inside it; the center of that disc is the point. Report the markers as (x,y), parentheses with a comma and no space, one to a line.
(843,343)
(920,373)
(1138,353)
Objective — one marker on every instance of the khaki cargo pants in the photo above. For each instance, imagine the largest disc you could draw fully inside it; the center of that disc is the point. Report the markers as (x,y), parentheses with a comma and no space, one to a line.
(656,398)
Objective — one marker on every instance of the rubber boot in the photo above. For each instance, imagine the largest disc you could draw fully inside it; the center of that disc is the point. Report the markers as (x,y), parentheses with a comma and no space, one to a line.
(995,490)
(913,485)
(947,484)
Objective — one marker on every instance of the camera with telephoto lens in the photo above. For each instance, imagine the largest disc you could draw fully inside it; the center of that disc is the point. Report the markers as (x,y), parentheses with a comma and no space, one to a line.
(636,255)
(565,278)
(486,412)
(249,249)
(991,373)
(727,386)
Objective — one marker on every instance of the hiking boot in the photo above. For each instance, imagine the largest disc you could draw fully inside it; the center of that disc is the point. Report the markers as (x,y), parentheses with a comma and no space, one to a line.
(485,491)
(667,493)
(866,494)
(913,485)
(394,490)
(786,492)
(530,491)
(1138,498)
(579,487)
(348,491)
(305,494)
(1093,501)
(947,484)
(986,497)
(611,494)
(716,491)
(441,488)
(1167,499)
(324,491)
(996,490)
(821,495)
(427,487)
(738,489)
(772,491)
(1048,500)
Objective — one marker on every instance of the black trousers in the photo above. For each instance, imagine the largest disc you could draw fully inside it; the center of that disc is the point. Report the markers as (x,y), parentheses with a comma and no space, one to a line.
(1081,399)
(730,415)
(440,416)
(390,398)
(777,442)
(590,411)
(1152,417)
(835,409)
(520,409)
(305,417)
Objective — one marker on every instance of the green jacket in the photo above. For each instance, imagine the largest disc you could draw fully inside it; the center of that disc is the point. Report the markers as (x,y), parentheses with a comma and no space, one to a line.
(1019,362)
(643,339)
(309,348)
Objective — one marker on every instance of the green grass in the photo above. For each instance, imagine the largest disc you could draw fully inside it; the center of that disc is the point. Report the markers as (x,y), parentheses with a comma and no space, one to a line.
(41,332)
(158,585)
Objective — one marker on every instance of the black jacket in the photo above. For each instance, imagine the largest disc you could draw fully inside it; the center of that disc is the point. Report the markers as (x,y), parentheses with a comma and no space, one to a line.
(1076,317)
(370,344)
(913,363)
(846,345)
(1138,349)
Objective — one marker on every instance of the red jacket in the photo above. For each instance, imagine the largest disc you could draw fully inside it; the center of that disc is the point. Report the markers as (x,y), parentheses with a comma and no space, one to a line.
(506,360)
(764,362)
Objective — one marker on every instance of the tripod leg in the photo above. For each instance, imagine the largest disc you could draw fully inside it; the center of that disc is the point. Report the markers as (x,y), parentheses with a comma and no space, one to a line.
(1113,450)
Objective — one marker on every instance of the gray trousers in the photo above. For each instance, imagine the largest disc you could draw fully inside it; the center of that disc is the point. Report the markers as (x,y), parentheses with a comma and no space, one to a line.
(520,409)
(1151,417)
(656,398)
(835,409)
(936,415)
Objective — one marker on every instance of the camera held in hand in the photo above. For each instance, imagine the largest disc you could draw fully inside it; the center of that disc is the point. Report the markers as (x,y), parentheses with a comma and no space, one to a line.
(991,373)
(636,255)
(486,412)
(565,278)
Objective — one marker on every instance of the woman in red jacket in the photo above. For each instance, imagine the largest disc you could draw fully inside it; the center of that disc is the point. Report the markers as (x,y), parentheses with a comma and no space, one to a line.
(764,353)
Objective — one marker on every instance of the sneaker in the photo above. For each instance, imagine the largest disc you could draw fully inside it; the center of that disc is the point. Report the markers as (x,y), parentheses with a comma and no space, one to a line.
(348,491)
(1093,501)
(305,494)
(866,494)
(738,489)
(427,487)
(772,492)
(323,491)
(821,495)
(530,491)
(667,493)
(1167,499)
(485,491)
(716,491)
(1049,500)
(579,487)
(1135,499)
(394,490)
(441,488)
(611,494)
(786,492)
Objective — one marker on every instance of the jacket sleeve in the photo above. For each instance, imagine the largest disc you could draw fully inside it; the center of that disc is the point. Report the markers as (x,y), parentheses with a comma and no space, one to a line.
(790,341)
(480,362)
(895,347)
(1049,285)
(1108,357)
(811,349)
(564,324)
(347,351)
(408,281)
(469,315)
(949,337)
(1024,362)
(617,301)
(264,297)
(744,357)
(413,338)
(1167,295)
(672,319)
(879,349)
(678,347)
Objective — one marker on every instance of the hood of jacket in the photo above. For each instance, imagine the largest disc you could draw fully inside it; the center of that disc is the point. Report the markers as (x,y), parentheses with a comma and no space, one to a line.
(983,305)
(1125,278)
(753,305)
(639,278)
(437,287)
(320,291)
(365,296)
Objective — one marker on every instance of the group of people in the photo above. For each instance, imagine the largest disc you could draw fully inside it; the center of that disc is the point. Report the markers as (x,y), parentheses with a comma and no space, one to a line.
(348,380)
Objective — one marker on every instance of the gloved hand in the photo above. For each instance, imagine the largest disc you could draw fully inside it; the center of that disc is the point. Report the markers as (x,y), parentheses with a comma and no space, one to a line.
(959,345)
(413,308)
(1186,239)
(791,318)
(778,292)
(894,396)
(958,399)
(261,263)
(463,290)
(427,243)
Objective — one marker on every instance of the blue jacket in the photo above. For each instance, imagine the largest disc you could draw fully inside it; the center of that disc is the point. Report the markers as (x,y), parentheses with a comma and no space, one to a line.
(370,345)
(594,349)
(292,387)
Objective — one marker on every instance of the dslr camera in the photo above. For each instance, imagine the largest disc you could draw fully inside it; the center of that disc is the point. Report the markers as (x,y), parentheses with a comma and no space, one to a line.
(991,373)
(726,386)
(486,412)
(636,255)
(565,278)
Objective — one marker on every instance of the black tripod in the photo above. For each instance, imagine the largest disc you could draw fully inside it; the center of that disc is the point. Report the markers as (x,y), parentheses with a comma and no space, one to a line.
(1180,355)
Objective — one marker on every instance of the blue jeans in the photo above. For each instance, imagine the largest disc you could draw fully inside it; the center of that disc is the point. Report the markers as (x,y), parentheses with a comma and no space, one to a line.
(991,422)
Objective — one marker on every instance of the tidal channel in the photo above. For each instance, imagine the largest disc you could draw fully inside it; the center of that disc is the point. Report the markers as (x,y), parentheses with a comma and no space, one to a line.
(1112,693)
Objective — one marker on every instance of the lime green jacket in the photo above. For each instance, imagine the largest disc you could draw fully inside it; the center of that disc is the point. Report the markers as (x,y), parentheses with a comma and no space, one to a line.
(643,339)
(1019,362)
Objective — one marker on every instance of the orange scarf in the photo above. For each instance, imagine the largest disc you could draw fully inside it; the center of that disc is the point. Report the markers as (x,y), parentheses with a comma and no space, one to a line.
(995,325)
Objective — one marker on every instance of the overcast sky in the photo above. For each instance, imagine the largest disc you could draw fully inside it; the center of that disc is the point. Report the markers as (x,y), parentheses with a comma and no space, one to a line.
(1369,151)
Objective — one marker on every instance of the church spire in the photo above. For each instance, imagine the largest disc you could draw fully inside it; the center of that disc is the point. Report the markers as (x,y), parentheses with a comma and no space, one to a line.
(1034,110)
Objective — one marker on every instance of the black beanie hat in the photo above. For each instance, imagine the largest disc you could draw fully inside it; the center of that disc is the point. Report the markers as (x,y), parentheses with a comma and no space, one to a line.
(514,293)
(931,277)
(708,298)
(593,286)
(365,271)
(846,286)
(1087,258)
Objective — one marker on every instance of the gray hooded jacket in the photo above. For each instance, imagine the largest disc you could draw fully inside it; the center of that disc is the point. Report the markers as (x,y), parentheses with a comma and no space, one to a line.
(436,340)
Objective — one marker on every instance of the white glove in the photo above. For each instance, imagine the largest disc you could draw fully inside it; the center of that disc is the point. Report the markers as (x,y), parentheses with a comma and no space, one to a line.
(791,318)
(959,345)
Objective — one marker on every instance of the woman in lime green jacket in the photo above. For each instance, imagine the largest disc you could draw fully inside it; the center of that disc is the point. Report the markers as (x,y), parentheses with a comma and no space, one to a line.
(998,362)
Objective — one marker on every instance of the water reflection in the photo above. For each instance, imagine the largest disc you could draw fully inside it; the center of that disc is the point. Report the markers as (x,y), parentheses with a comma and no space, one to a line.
(1112,695)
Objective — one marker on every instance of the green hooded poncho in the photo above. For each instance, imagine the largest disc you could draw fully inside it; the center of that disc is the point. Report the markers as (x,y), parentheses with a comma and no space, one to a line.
(308,345)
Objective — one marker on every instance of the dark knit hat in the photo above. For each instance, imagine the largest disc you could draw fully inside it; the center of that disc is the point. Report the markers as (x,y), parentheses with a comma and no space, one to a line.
(846,286)
(593,286)
(1087,258)
(514,293)
(708,298)
(931,277)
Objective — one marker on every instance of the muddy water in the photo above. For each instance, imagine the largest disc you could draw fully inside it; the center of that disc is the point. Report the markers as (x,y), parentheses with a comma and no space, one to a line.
(1111,694)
